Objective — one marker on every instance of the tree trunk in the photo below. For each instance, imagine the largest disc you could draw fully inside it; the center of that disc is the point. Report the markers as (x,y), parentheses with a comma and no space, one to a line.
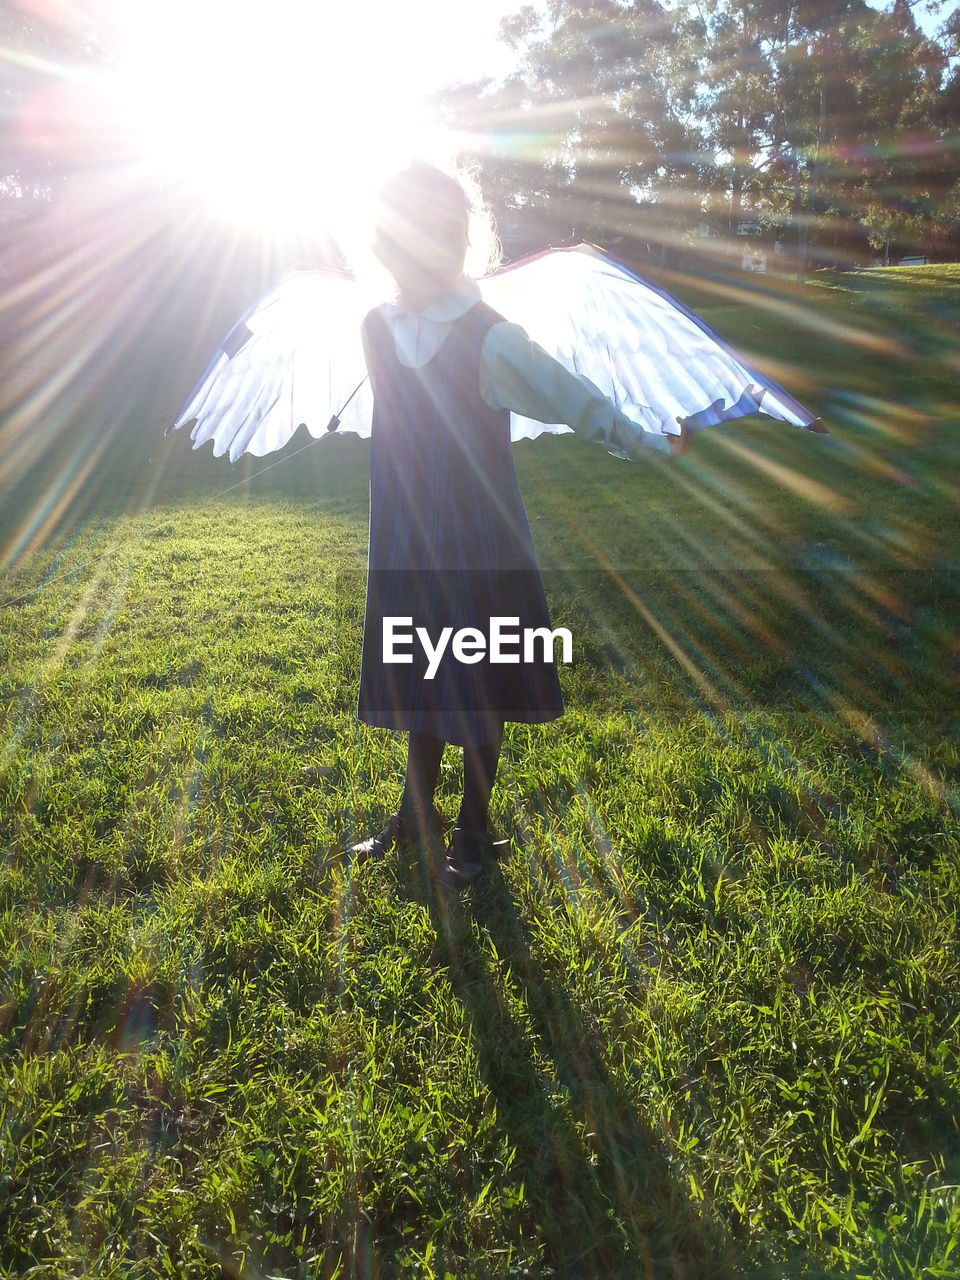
(812,193)
(736,186)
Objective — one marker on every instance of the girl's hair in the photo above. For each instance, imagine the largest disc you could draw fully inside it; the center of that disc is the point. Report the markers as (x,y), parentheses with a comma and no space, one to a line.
(421,187)
(425,199)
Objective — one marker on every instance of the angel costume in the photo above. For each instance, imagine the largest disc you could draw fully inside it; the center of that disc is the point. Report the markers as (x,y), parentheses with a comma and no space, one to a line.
(295,357)
(450,544)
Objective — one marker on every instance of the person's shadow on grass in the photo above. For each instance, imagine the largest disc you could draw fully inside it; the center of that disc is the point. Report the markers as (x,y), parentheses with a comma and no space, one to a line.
(600,1195)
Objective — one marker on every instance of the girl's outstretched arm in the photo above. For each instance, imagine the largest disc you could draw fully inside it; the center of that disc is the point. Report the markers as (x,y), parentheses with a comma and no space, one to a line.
(517,374)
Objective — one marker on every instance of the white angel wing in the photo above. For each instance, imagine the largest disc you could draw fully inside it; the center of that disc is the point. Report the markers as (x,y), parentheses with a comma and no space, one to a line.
(294,358)
(656,360)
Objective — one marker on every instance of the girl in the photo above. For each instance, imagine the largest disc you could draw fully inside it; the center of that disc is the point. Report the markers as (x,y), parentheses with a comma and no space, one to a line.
(450,545)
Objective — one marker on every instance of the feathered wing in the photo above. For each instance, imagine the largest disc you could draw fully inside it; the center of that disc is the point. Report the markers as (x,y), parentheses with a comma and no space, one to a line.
(656,360)
(294,357)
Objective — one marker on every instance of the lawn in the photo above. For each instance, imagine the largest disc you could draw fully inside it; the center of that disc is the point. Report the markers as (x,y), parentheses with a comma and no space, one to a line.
(702,1020)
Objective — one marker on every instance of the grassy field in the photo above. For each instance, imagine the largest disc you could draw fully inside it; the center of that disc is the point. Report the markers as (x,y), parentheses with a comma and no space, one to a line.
(703,1020)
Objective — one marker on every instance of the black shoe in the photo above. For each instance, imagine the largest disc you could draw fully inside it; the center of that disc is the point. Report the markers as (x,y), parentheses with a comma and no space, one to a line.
(468,855)
(401,832)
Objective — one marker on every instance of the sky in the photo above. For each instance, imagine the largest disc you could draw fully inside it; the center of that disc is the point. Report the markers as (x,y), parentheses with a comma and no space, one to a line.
(279,112)
(467,34)
(289,108)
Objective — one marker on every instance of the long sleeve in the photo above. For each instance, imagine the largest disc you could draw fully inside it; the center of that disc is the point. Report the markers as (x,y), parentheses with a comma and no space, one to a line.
(517,374)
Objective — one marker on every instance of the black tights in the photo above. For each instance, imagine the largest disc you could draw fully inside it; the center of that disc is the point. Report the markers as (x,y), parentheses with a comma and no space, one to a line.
(479,771)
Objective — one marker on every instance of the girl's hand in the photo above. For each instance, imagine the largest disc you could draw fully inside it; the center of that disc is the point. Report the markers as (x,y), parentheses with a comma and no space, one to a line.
(679,443)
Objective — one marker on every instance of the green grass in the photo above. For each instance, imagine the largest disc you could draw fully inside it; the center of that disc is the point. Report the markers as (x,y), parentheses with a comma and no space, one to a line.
(702,1021)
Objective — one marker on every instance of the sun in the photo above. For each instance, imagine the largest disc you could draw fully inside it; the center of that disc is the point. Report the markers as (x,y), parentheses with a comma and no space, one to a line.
(278,116)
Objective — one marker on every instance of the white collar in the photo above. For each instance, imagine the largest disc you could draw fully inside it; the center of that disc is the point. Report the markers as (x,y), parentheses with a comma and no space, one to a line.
(451,306)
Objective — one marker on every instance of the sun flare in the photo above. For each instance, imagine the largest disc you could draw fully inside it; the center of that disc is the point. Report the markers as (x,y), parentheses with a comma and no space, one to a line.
(276,117)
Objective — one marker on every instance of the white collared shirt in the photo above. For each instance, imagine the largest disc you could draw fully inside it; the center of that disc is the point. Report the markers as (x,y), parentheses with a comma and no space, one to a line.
(517,374)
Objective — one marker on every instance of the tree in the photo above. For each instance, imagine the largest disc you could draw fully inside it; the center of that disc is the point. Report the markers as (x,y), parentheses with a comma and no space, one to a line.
(821,116)
(595,124)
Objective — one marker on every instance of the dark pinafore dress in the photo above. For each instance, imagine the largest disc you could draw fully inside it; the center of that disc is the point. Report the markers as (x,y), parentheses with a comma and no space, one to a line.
(450,545)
